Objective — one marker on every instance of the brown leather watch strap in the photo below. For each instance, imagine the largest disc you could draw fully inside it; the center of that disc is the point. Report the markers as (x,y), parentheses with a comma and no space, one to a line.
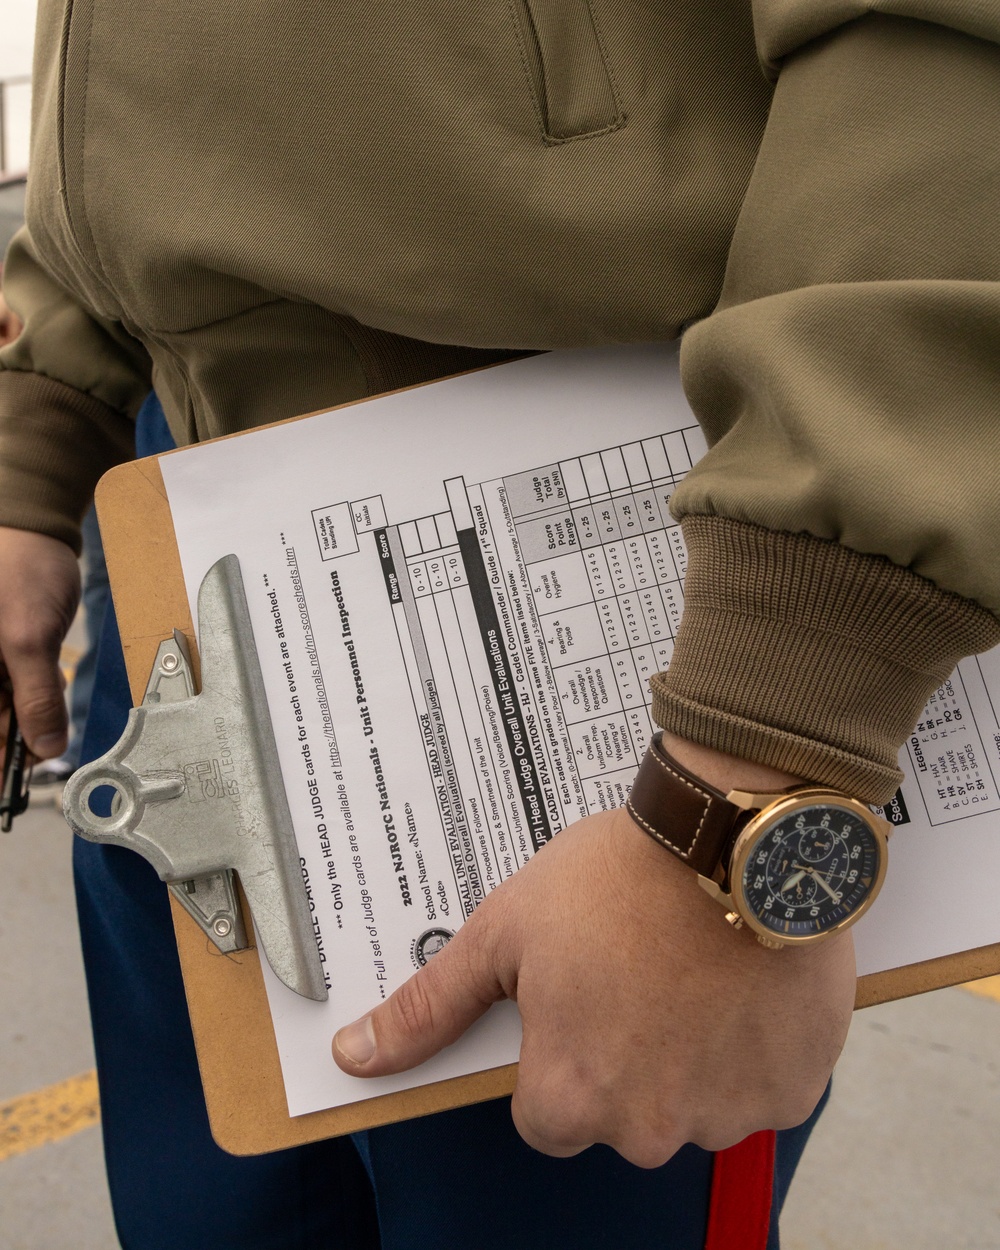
(683,813)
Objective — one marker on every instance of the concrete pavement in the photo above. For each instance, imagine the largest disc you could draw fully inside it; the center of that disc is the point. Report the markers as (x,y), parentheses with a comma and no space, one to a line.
(53,1197)
(907,1155)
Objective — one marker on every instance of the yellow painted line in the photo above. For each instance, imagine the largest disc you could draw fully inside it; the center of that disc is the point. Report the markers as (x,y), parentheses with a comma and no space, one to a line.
(48,1114)
(988,987)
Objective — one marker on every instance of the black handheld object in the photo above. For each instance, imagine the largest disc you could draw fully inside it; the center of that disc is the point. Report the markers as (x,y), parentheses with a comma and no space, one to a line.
(16,776)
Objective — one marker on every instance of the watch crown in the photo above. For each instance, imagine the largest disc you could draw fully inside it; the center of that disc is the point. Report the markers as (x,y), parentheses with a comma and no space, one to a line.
(770,943)
(735,919)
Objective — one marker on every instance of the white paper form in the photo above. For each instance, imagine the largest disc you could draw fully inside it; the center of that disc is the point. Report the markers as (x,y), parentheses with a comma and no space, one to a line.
(458,594)
(940,894)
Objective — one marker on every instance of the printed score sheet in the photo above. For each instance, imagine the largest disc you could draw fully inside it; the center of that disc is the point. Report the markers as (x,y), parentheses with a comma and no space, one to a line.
(459,593)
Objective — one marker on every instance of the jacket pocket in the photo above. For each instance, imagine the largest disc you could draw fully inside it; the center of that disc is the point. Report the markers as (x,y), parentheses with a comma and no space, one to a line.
(67,23)
(567,69)
(74,59)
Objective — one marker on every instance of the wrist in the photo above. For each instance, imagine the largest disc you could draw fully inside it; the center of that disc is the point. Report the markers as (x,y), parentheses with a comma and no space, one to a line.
(726,772)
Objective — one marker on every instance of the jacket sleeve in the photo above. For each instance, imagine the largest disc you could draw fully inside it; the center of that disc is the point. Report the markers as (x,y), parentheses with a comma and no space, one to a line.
(70,387)
(843,527)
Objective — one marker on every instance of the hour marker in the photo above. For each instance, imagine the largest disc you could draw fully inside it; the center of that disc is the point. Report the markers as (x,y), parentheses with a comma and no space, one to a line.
(866,881)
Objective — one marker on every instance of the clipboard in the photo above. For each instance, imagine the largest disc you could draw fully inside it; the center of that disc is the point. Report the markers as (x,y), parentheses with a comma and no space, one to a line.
(230,1016)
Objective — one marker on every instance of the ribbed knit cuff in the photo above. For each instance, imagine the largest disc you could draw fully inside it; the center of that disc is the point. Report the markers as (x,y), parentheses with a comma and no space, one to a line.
(807,656)
(55,443)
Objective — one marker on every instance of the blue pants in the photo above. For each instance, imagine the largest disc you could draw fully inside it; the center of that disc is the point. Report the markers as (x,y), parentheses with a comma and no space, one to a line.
(461,1180)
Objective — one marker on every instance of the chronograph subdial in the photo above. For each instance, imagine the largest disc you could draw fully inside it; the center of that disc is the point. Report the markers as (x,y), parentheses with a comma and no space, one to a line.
(799,889)
(816,842)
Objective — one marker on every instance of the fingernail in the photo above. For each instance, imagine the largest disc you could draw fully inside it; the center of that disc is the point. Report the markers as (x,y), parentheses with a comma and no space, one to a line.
(356,1042)
(49,745)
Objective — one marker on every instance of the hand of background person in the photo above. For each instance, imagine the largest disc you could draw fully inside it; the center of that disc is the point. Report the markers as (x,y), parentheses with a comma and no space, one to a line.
(39,591)
(648,1020)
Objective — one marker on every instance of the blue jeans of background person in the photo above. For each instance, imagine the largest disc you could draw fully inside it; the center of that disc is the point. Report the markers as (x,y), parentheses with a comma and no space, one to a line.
(461,1180)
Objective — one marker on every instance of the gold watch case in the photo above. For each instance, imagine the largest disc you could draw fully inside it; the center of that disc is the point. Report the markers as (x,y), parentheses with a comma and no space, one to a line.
(773,809)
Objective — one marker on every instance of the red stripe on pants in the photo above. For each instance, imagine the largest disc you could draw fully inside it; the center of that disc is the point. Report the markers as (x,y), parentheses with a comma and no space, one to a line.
(739,1210)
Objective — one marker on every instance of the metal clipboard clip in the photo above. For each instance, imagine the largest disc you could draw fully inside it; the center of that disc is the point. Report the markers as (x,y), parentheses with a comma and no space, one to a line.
(198,790)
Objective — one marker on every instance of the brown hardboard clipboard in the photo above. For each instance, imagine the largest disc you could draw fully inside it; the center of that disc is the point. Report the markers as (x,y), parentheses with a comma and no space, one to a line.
(230,1017)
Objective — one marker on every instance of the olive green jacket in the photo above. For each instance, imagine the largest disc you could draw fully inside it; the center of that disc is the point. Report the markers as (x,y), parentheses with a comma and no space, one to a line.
(266,209)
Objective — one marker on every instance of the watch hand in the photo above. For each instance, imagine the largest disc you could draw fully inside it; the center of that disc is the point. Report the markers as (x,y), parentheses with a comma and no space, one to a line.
(821,880)
(794,879)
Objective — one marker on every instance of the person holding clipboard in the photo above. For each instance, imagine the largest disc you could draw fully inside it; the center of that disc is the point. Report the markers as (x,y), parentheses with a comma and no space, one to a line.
(267,217)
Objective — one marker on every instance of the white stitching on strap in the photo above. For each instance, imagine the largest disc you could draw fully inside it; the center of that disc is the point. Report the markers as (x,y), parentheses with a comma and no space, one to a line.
(654,755)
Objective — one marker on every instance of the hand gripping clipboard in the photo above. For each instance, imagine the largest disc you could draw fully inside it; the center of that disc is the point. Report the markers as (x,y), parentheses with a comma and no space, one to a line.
(229,1011)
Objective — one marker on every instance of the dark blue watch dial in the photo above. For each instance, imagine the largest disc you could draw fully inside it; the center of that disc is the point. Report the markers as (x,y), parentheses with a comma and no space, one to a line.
(810,871)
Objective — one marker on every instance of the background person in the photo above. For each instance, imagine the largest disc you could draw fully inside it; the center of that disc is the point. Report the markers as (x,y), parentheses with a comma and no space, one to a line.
(96,593)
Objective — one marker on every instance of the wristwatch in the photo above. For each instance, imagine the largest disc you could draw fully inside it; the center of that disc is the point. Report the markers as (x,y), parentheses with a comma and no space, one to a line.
(795,867)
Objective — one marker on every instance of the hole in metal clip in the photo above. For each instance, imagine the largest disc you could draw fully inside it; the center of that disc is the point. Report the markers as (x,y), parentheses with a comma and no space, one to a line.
(104,801)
